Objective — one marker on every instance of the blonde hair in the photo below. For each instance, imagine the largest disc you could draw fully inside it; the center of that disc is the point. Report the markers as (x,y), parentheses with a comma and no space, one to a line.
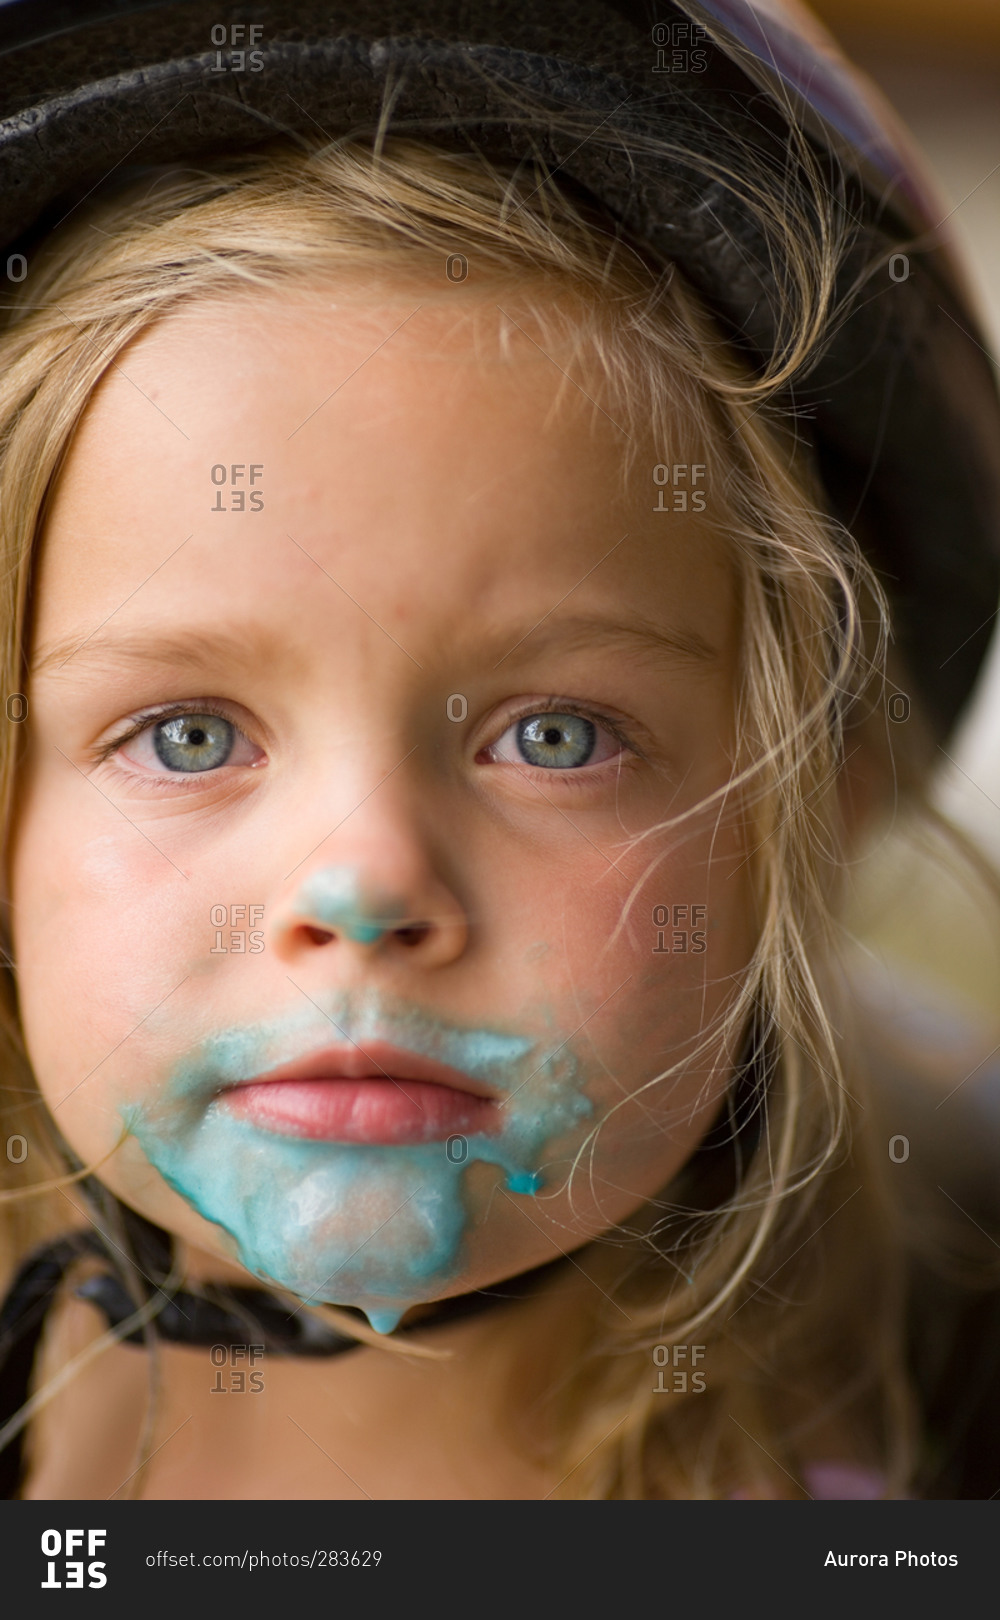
(697,1265)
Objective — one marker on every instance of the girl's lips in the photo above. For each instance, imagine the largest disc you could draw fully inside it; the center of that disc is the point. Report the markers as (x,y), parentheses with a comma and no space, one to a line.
(380,1096)
(386,1112)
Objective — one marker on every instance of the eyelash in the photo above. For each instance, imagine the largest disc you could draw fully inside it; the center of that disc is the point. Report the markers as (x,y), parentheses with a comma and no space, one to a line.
(154,716)
(551,704)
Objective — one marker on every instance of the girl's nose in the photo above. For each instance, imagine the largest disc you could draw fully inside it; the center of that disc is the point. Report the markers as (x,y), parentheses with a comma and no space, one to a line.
(348,904)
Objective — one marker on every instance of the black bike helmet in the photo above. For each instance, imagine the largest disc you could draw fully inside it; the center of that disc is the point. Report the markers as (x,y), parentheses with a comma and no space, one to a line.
(901,408)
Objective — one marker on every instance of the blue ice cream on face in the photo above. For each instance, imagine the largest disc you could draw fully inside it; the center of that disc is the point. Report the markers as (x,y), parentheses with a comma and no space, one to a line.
(378,1227)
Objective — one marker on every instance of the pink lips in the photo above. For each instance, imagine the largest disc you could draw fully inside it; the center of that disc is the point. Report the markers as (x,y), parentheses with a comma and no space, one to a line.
(382,1096)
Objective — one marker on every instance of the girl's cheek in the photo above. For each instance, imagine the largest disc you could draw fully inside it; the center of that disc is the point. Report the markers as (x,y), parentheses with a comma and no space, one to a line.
(103,931)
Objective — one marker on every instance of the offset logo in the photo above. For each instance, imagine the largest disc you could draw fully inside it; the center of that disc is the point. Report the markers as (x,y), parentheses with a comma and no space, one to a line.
(59,1547)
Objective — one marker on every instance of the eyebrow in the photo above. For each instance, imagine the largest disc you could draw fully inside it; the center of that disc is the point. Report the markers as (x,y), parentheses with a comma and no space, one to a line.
(199,649)
(583,631)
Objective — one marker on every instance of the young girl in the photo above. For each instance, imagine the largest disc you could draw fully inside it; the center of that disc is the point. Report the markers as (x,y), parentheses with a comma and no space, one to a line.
(449,711)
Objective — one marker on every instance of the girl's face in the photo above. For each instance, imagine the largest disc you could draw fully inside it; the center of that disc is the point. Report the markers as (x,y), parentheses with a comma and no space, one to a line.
(358,691)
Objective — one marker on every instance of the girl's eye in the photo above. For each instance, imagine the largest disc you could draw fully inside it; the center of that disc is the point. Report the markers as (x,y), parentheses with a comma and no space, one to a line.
(193,742)
(557,741)
(188,743)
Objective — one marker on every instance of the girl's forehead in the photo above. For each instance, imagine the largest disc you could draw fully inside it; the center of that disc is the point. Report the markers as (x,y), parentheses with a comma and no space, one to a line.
(525,330)
(413,448)
(305,374)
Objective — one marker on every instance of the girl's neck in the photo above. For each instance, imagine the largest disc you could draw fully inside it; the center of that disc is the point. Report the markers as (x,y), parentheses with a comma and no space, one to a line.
(461,1412)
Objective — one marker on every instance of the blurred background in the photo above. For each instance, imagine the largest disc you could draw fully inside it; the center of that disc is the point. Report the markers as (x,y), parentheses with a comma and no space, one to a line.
(938,62)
